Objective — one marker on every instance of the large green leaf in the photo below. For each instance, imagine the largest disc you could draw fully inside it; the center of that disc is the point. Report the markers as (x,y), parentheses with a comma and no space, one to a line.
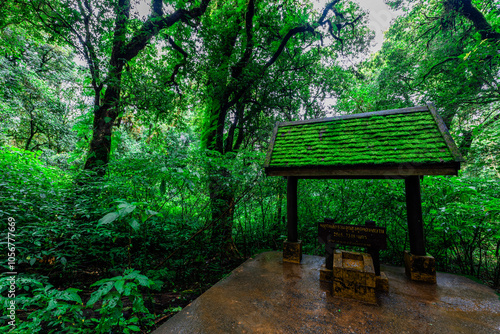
(109,218)
(125,208)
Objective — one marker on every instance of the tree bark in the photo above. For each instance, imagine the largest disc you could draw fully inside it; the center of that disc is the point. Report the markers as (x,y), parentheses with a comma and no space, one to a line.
(32,133)
(222,198)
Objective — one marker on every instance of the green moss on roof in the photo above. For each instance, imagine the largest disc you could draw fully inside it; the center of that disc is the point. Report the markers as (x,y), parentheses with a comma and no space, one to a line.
(389,139)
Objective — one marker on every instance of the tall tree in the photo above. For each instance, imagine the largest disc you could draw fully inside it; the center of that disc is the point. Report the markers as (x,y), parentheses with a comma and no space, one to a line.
(38,88)
(248,44)
(108,35)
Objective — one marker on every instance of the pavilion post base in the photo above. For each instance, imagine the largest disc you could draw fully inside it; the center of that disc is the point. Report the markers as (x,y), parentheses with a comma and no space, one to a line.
(382,282)
(326,275)
(420,268)
(292,251)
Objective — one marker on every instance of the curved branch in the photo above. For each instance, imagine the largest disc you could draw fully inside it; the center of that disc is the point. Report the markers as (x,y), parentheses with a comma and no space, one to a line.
(432,69)
(467,10)
(285,40)
(328,7)
(154,24)
(177,48)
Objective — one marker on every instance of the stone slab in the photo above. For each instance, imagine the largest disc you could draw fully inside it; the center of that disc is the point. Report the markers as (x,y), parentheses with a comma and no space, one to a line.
(354,276)
(265,295)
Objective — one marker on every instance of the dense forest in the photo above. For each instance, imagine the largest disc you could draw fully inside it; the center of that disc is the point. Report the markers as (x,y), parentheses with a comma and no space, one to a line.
(133,135)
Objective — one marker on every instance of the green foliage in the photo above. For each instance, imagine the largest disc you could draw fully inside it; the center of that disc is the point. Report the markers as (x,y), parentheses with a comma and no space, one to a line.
(38,92)
(466,226)
(484,146)
(111,292)
(54,310)
(61,311)
(436,52)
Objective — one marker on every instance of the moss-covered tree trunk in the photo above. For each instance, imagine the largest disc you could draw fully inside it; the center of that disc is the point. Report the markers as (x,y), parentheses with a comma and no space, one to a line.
(220,183)
(222,199)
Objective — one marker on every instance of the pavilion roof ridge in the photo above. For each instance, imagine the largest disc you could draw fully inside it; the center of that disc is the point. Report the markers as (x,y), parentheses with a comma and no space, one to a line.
(360,115)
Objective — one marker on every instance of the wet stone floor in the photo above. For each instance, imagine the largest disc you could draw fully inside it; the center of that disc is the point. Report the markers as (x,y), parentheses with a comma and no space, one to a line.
(265,295)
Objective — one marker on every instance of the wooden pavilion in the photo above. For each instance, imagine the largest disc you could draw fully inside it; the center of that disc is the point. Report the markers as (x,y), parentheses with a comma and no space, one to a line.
(395,144)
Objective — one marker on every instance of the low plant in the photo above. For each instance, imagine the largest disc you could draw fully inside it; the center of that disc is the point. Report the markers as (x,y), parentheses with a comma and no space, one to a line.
(48,310)
(118,300)
(112,309)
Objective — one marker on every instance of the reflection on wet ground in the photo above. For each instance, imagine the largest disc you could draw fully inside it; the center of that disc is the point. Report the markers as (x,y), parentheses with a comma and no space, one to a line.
(265,295)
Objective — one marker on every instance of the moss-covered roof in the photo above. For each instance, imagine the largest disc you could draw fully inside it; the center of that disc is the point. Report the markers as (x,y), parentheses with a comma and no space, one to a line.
(403,136)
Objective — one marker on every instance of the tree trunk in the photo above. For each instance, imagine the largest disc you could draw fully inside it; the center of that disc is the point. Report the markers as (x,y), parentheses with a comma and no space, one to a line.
(32,134)
(222,198)
(467,10)
(104,119)
(221,189)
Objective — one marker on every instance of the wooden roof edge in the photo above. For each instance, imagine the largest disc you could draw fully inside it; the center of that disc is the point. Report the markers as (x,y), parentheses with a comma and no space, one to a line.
(443,129)
(364,171)
(271,145)
(361,115)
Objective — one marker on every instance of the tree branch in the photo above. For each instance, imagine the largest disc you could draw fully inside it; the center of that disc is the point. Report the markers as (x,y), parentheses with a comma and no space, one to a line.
(119,35)
(285,40)
(467,10)
(154,24)
(179,65)
(157,8)
(89,51)
(238,68)
(432,69)
(328,7)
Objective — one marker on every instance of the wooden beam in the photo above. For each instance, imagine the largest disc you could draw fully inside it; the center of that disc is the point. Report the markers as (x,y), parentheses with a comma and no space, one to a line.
(414,216)
(353,171)
(291,208)
(271,145)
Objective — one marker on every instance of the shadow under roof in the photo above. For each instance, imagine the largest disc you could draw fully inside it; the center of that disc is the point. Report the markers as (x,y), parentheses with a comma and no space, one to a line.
(390,143)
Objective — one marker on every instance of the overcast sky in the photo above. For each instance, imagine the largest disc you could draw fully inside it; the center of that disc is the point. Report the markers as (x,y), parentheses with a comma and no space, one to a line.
(380,17)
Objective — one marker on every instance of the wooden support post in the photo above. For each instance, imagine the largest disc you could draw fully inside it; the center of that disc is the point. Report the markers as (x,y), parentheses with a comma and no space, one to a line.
(374,251)
(291,208)
(414,214)
(418,265)
(292,247)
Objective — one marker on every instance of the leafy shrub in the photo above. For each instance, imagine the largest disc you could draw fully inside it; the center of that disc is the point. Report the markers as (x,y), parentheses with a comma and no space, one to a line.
(57,311)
